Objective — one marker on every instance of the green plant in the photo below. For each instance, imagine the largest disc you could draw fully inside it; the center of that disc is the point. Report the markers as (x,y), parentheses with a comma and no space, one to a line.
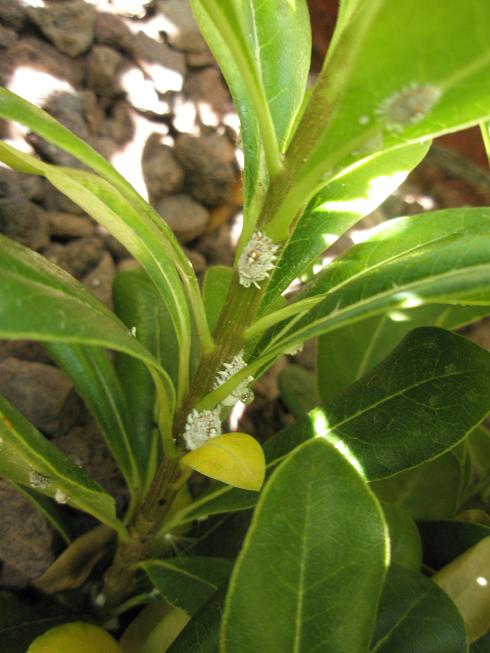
(402,397)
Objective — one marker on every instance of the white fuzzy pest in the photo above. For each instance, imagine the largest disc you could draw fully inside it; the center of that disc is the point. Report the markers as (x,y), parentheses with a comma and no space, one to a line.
(257,260)
(242,392)
(200,426)
(37,480)
(409,105)
(61,497)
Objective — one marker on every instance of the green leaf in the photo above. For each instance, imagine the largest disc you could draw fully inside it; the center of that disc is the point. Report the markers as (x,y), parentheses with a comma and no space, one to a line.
(138,305)
(29,459)
(405,542)
(346,354)
(38,301)
(431,391)
(444,540)
(189,582)
(154,629)
(346,198)
(485,130)
(415,615)
(481,646)
(216,284)
(136,232)
(298,390)
(202,632)
(21,623)
(322,561)
(96,382)
(442,257)
(478,447)
(429,491)
(467,581)
(15,108)
(370,48)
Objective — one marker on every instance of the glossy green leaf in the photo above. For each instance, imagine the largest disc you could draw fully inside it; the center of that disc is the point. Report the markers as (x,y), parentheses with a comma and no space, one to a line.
(154,629)
(39,301)
(405,542)
(263,50)
(478,447)
(28,458)
(423,399)
(188,582)
(19,110)
(442,257)
(415,615)
(444,540)
(324,559)
(138,305)
(346,198)
(485,130)
(215,288)
(481,646)
(467,581)
(138,234)
(95,380)
(203,631)
(370,48)
(346,354)
(21,623)
(430,491)
(298,390)
(49,509)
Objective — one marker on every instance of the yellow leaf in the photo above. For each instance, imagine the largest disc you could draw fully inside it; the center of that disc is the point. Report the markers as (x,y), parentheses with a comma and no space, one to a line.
(233,458)
(467,581)
(75,637)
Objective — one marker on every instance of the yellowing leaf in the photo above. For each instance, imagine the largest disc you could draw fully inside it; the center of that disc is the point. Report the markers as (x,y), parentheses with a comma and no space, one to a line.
(233,458)
(467,581)
(75,637)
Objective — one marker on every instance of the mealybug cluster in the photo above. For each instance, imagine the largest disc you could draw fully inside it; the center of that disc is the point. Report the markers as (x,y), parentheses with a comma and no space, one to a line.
(408,106)
(256,260)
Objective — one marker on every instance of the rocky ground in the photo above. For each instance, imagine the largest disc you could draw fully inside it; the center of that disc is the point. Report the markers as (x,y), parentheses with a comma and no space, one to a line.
(135,79)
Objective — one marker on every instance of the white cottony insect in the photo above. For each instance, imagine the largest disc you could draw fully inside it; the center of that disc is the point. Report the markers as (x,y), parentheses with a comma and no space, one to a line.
(200,426)
(61,497)
(257,260)
(408,106)
(37,480)
(242,392)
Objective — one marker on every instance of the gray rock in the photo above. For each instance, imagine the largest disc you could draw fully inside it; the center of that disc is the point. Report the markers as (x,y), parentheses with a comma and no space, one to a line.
(19,219)
(68,108)
(87,449)
(212,98)
(99,280)
(162,172)
(197,260)
(102,75)
(216,246)
(69,25)
(117,250)
(164,66)
(66,225)
(200,59)
(186,218)
(119,126)
(42,393)
(7,37)
(26,538)
(25,350)
(131,8)
(179,25)
(41,59)
(111,30)
(77,257)
(33,187)
(12,13)
(141,93)
(208,162)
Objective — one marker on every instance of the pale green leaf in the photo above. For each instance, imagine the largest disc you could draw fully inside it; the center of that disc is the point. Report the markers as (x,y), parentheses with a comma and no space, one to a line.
(29,459)
(322,561)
